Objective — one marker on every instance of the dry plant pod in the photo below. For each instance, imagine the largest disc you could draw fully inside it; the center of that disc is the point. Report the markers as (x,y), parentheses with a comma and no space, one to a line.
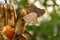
(1,11)
(33,8)
(7,29)
(11,15)
(1,17)
(1,36)
(9,32)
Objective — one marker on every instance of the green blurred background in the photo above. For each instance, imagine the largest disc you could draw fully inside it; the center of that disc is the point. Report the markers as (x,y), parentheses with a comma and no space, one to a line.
(49,24)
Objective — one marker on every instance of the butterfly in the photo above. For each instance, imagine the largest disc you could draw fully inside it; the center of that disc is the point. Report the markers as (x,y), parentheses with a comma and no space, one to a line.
(33,14)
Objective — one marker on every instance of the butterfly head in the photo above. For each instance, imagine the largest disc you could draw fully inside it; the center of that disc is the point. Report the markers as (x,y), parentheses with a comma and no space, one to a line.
(23,12)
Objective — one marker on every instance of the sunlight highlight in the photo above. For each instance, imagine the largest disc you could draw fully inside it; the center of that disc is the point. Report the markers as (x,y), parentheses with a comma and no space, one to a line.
(58,2)
(50,9)
(49,2)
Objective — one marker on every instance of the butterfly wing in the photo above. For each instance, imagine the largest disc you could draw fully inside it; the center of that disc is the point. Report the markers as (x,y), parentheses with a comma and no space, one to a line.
(31,18)
(33,8)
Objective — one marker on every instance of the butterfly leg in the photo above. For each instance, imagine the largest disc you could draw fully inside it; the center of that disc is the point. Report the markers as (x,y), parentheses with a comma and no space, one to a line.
(30,35)
(20,37)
